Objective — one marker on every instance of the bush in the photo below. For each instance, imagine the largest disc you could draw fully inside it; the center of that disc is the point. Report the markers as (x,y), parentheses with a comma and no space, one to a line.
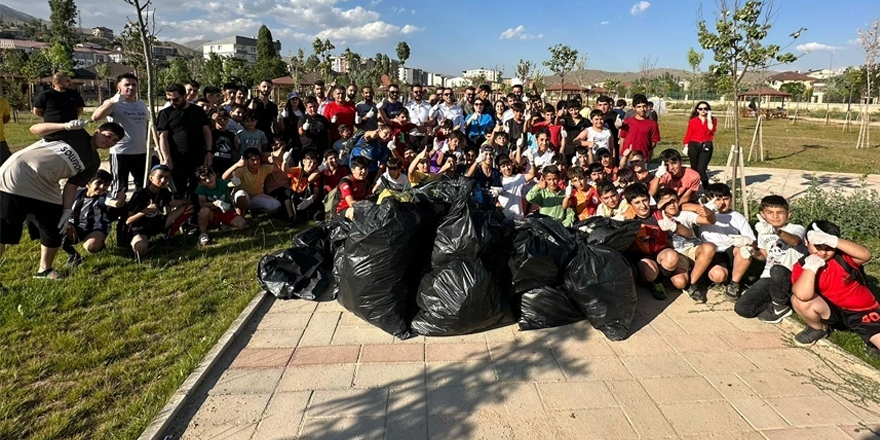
(857,213)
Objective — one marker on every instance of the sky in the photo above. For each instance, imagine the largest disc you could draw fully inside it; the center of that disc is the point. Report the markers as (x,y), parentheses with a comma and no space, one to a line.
(456,35)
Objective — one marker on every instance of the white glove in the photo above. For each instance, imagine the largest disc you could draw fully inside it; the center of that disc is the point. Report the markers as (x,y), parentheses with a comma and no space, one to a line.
(661,171)
(564,133)
(746,252)
(286,156)
(370,113)
(357,118)
(684,150)
(391,145)
(496,191)
(221,205)
(667,224)
(333,119)
(306,125)
(380,106)
(76,124)
(813,263)
(762,227)
(520,141)
(473,117)
(436,144)
(709,115)
(481,157)
(568,190)
(818,237)
(506,128)
(710,205)
(235,181)
(284,112)
(322,167)
(739,240)
(65,218)
(618,122)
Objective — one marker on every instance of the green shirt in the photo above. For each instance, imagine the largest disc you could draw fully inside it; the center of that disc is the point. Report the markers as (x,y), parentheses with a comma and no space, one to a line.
(550,204)
(220,191)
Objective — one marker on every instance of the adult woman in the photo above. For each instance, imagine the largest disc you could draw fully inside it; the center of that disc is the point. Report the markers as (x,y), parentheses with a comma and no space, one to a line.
(698,139)
(293,110)
(500,108)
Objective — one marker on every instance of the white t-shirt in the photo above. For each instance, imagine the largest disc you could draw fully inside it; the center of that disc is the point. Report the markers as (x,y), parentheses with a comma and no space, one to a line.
(399,184)
(600,139)
(727,224)
(778,251)
(418,112)
(540,160)
(133,118)
(688,219)
(511,199)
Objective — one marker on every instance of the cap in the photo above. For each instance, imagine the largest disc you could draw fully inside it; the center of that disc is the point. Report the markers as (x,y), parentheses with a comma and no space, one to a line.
(486,149)
(293,94)
(160,167)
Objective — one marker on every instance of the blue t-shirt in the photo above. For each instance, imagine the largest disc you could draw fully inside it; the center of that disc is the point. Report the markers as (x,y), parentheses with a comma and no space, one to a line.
(374,151)
(481,126)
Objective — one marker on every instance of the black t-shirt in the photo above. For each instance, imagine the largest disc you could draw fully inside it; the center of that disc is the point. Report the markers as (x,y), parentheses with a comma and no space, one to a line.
(143,197)
(610,118)
(572,130)
(59,106)
(317,136)
(185,128)
(265,113)
(224,143)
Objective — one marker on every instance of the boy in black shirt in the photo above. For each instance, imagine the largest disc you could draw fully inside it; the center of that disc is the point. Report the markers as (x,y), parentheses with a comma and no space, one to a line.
(151,211)
(89,222)
(225,142)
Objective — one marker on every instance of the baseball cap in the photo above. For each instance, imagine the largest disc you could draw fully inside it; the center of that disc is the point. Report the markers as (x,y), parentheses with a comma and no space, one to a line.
(293,94)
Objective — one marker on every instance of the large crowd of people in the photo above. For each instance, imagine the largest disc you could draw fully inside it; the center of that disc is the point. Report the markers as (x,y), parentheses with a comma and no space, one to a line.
(223,157)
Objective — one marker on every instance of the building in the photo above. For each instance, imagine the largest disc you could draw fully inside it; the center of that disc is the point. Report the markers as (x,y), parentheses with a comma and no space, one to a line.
(435,80)
(410,75)
(163,53)
(824,73)
(778,80)
(237,47)
(86,56)
(339,64)
(458,81)
(492,76)
(102,32)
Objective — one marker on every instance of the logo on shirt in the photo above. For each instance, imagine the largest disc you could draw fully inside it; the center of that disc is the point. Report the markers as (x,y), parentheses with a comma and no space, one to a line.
(70,156)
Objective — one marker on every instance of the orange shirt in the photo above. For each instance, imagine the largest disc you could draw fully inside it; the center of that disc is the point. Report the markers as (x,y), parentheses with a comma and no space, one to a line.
(584,203)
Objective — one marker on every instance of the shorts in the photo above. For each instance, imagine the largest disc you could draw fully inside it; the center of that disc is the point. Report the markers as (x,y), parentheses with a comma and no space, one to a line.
(222,218)
(684,265)
(723,258)
(82,233)
(690,253)
(121,165)
(13,211)
(865,323)
(148,226)
(259,201)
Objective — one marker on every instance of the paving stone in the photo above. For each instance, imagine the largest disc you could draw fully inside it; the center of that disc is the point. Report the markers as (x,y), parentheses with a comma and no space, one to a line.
(719,362)
(692,418)
(522,398)
(663,365)
(389,375)
(477,426)
(247,381)
(330,307)
(753,408)
(546,370)
(580,349)
(697,343)
(594,368)
(230,416)
(276,338)
(641,408)
(781,359)
(393,353)
(532,427)
(466,400)
(860,432)
(292,306)
(819,433)
(503,334)
(461,339)
(594,424)
(351,428)
(577,395)
(283,416)
(867,411)
(470,374)
(520,351)
(679,389)
(736,435)
(638,345)
(320,330)
(284,320)
(805,411)
(348,403)
(361,335)
(744,325)
(407,415)
(262,358)
(705,323)
(473,351)
(666,326)
(779,384)
(343,354)
(755,341)
(317,377)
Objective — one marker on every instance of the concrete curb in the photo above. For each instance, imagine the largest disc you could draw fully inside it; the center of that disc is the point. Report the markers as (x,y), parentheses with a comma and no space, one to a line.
(160,423)
(792,326)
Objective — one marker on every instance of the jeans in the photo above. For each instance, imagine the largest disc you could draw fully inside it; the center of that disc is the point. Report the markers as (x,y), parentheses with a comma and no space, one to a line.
(777,289)
(700,155)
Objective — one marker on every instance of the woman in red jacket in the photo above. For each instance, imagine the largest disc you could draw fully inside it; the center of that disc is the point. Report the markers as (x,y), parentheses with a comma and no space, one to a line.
(698,139)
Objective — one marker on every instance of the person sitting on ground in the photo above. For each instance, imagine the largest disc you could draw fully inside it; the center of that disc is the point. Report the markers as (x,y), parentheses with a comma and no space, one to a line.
(249,176)
(375,147)
(613,205)
(780,244)
(332,172)
(393,178)
(608,166)
(89,223)
(215,204)
(304,191)
(733,238)
(251,136)
(673,175)
(580,196)
(344,145)
(353,188)
(549,197)
(487,177)
(153,211)
(699,254)
(830,289)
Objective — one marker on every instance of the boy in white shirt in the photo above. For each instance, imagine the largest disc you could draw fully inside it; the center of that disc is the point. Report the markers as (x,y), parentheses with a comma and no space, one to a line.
(595,136)
(732,236)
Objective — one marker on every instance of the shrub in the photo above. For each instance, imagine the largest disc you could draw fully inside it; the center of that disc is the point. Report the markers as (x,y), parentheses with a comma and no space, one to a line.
(857,213)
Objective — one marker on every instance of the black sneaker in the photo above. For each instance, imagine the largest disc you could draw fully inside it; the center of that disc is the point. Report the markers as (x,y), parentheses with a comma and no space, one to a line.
(774,314)
(658,291)
(809,335)
(731,291)
(74,260)
(696,294)
(872,351)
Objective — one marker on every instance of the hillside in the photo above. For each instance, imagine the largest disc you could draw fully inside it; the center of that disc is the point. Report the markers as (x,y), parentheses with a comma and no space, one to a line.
(593,76)
(12,17)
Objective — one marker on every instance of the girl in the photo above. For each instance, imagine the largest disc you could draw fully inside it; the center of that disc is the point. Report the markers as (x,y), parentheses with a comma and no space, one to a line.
(698,139)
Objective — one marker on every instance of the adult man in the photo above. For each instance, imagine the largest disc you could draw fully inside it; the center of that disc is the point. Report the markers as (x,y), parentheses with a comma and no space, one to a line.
(483,93)
(5,115)
(366,116)
(508,114)
(184,139)
(129,156)
(518,91)
(638,133)
(351,93)
(467,104)
(265,110)
(60,103)
(29,184)
(419,110)
(320,95)
(390,106)
(192,90)
(339,112)
(448,110)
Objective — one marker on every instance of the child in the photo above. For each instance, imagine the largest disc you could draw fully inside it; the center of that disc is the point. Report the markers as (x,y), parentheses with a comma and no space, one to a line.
(151,211)
(451,147)
(353,188)
(580,196)
(375,147)
(331,171)
(672,174)
(488,178)
(215,204)
(344,145)
(225,142)
(625,178)
(513,186)
(543,156)
(549,124)
(419,171)
(639,166)
(596,174)
(595,136)
(830,290)
(305,188)
(249,175)
(277,183)
(613,205)
(607,163)
(733,238)
(780,244)
(251,137)
(638,132)
(236,116)
(549,198)
(582,158)
(314,128)
(89,223)
(393,178)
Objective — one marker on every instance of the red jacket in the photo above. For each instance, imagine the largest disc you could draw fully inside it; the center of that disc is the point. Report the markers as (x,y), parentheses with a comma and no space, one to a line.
(698,131)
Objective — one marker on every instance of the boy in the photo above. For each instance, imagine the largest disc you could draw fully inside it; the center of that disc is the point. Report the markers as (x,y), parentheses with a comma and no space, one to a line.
(375,147)
(671,174)
(582,197)
(393,178)
(419,169)
(153,211)
(305,188)
(251,137)
(830,290)
(596,174)
(226,143)
(314,129)
(89,223)
(332,172)
(353,188)
(638,132)
(344,145)
(488,178)
(780,244)
(548,123)
(640,168)
(607,163)
(513,186)
(733,238)
(277,183)
(549,198)
(249,175)
(515,127)
(215,204)
(581,159)
(613,206)
(236,116)
(595,136)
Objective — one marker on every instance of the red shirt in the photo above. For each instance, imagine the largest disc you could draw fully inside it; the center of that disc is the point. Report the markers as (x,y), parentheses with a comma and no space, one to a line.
(351,187)
(698,131)
(650,239)
(555,132)
(400,133)
(832,284)
(330,180)
(584,203)
(344,113)
(638,135)
(611,173)
(689,180)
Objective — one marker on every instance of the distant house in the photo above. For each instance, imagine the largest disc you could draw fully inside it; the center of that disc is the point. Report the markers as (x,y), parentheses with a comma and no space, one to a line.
(102,32)
(778,80)
(237,47)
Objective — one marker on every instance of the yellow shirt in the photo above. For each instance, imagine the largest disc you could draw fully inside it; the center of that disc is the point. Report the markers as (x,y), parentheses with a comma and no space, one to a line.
(253,183)
(5,111)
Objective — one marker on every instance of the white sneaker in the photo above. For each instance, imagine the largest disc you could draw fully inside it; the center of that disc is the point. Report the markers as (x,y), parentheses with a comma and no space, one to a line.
(204,239)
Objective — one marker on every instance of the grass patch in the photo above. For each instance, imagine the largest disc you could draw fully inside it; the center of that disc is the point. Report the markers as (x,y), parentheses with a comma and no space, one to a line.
(98,354)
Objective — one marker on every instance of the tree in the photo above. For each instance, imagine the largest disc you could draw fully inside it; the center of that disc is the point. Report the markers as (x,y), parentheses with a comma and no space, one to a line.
(236,70)
(212,70)
(580,69)
(36,30)
(562,60)
(102,71)
(62,33)
(402,52)
(265,44)
(177,72)
(870,41)
(797,90)
(524,70)
(694,60)
(612,86)
(322,54)
(269,63)
(312,63)
(646,75)
(36,67)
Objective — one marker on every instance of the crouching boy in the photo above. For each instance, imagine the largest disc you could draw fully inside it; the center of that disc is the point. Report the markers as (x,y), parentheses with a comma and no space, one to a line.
(215,204)
(151,211)
(89,222)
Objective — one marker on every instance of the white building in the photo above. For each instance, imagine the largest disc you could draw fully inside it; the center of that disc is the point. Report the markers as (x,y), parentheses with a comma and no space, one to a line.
(339,64)
(236,46)
(410,75)
(490,75)
(458,81)
(435,80)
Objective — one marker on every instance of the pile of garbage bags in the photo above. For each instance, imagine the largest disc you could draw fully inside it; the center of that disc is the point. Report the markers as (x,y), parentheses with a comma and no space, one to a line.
(433,262)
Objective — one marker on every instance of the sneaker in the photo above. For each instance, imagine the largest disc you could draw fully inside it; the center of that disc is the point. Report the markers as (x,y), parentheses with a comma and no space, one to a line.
(731,291)
(48,274)
(658,291)
(74,260)
(696,294)
(204,239)
(774,314)
(809,335)
(872,351)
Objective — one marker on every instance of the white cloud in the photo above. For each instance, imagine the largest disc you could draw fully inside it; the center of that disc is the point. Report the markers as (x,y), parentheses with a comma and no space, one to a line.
(408,29)
(401,9)
(376,30)
(604,23)
(518,33)
(639,7)
(815,47)
(374,3)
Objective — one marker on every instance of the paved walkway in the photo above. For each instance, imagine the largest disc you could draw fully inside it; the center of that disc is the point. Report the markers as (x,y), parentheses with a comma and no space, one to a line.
(793,183)
(305,370)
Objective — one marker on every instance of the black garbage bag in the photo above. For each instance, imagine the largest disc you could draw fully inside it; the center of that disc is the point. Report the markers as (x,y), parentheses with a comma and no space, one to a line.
(298,272)
(547,307)
(542,249)
(458,297)
(377,277)
(600,281)
(315,236)
(603,231)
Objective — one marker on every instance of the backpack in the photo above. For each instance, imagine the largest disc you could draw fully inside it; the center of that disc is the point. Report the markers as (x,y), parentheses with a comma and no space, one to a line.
(856,274)
(332,200)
